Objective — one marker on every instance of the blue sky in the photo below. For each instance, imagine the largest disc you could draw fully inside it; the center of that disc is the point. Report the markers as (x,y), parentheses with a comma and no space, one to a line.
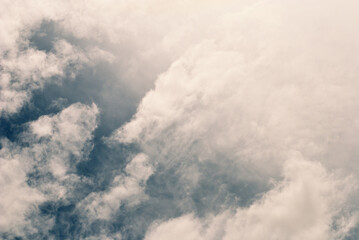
(183,120)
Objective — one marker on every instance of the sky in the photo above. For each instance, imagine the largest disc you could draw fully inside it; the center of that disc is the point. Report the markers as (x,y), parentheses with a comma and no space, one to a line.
(183,119)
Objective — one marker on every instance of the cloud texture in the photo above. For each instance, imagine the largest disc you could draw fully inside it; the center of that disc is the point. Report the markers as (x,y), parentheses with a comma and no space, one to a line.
(152,119)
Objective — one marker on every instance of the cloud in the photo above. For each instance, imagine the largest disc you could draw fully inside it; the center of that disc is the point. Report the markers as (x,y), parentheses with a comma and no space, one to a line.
(187,227)
(239,86)
(64,135)
(254,91)
(26,68)
(127,188)
(17,197)
(29,70)
(262,83)
(305,205)
(44,170)
(136,32)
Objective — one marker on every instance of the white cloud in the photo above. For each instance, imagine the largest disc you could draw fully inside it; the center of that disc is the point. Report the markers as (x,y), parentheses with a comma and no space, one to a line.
(25,68)
(63,135)
(185,227)
(137,32)
(139,168)
(17,197)
(23,72)
(260,84)
(52,140)
(126,188)
(305,205)
(254,90)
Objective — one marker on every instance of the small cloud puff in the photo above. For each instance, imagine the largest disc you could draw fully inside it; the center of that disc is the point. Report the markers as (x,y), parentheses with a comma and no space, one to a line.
(126,188)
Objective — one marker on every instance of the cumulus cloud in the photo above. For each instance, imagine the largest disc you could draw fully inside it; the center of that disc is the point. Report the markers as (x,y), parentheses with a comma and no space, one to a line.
(260,85)
(230,91)
(55,144)
(305,205)
(256,93)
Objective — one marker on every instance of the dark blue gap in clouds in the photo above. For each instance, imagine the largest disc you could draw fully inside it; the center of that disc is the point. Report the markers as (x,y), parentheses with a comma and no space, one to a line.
(45,35)
(65,222)
(100,84)
(226,182)
(353,234)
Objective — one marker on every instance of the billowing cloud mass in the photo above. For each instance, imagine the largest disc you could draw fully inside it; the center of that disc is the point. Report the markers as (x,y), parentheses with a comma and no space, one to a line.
(154,119)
